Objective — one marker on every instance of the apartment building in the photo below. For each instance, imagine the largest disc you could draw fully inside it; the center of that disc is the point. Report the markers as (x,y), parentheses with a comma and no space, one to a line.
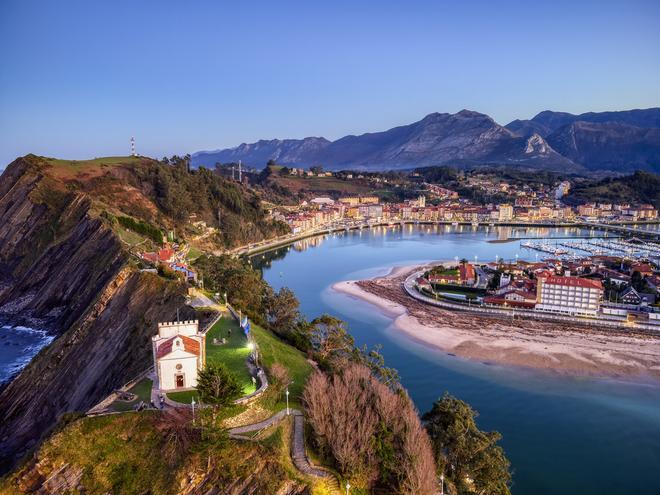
(569,295)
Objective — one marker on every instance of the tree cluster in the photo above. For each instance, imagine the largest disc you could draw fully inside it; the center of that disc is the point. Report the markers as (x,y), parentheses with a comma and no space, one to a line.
(469,458)
(373,434)
(179,191)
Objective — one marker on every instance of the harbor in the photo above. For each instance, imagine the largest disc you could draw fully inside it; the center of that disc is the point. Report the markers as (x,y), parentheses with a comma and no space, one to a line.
(570,250)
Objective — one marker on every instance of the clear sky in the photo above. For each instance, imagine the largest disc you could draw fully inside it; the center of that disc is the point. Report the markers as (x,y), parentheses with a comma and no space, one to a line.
(78,78)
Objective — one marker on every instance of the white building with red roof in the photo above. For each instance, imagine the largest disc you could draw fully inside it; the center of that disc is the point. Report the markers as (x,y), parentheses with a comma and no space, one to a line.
(571,295)
(179,352)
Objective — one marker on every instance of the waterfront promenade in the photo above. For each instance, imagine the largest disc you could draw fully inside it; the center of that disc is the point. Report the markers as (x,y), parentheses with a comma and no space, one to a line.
(280,241)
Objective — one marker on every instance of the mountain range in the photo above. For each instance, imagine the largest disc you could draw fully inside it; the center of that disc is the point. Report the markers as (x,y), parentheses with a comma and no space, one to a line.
(607,141)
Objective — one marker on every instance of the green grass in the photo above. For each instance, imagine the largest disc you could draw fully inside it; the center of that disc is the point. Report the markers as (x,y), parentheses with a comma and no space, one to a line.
(116,454)
(143,391)
(273,350)
(128,236)
(107,160)
(441,271)
(194,253)
(233,354)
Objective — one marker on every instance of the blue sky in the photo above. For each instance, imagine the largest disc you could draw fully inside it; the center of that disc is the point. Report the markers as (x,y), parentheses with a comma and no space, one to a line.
(78,78)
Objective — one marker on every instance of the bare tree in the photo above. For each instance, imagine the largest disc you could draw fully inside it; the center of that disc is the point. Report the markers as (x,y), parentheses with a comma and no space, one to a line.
(373,433)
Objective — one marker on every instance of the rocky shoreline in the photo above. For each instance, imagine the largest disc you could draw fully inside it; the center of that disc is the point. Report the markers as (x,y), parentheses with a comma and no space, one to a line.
(556,347)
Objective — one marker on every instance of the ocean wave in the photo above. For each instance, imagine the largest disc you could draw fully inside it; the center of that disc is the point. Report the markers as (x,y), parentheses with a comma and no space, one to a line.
(30,341)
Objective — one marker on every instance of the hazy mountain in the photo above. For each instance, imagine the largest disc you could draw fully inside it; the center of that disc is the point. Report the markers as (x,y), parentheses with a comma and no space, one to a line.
(608,145)
(546,122)
(285,151)
(622,141)
(465,138)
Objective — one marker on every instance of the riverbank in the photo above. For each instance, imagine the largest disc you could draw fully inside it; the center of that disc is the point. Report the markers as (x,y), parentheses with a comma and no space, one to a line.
(556,347)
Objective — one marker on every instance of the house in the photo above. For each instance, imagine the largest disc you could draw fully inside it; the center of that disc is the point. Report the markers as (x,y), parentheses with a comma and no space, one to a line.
(644,269)
(515,298)
(191,275)
(630,296)
(614,276)
(179,353)
(467,273)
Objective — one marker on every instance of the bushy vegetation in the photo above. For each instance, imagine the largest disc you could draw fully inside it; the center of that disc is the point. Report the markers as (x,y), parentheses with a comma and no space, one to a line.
(236,211)
(640,187)
(218,386)
(244,286)
(469,458)
(149,452)
(140,227)
(373,434)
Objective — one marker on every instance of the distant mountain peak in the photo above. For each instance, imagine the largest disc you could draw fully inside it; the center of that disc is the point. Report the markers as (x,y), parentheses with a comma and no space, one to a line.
(468,138)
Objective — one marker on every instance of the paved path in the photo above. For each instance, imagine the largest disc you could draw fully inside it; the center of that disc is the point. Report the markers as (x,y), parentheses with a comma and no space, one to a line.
(240,431)
(298,453)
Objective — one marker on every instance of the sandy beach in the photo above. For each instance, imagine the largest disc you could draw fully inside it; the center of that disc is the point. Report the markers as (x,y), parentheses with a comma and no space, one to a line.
(561,348)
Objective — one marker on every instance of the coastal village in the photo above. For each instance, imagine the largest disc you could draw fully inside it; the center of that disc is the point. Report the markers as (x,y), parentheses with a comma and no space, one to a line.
(606,288)
(541,204)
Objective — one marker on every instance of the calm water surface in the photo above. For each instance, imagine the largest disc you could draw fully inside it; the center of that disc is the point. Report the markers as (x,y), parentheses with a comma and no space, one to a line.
(568,435)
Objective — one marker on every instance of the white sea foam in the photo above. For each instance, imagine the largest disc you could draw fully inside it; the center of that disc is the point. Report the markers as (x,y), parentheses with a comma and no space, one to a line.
(29,340)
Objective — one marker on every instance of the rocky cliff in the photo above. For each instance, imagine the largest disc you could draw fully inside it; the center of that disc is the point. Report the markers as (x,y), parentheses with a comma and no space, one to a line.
(62,268)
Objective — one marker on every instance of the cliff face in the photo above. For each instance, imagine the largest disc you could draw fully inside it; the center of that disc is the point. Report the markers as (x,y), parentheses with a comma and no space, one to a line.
(55,257)
(63,269)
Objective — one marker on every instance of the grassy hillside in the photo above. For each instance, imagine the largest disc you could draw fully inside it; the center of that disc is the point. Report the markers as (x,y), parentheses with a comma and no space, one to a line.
(149,452)
(640,187)
(164,195)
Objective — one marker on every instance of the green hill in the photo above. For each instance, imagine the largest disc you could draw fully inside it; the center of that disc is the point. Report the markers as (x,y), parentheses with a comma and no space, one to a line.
(640,187)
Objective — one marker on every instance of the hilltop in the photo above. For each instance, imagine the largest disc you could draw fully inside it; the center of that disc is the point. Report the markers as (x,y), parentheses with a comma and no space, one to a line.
(639,188)
(68,232)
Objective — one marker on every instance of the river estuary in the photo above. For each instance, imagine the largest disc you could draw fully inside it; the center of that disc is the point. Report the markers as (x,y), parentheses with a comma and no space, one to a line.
(563,434)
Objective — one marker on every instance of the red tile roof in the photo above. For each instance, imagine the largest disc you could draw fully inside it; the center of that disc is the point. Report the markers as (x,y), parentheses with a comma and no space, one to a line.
(467,272)
(189,345)
(574,282)
(165,254)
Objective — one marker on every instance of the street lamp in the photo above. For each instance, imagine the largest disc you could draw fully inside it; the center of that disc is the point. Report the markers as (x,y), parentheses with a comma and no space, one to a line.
(442,484)
(225,299)
(287,401)
(348,487)
(192,404)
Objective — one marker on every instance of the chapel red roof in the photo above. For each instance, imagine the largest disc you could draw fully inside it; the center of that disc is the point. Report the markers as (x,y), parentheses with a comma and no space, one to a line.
(189,345)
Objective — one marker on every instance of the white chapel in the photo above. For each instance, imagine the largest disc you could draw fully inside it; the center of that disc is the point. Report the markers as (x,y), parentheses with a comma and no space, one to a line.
(179,353)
